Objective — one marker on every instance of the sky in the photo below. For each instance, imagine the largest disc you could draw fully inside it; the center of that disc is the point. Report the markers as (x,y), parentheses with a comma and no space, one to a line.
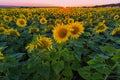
(56,2)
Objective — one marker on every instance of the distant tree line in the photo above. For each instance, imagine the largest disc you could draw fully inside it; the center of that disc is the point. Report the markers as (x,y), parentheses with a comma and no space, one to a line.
(108,5)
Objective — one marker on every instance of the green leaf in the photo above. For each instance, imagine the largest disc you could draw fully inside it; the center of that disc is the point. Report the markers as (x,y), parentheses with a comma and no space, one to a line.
(96,59)
(68,72)
(116,57)
(117,41)
(44,71)
(97,76)
(85,73)
(108,50)
(17,56)
(102,68)
(68,56)
(58,66)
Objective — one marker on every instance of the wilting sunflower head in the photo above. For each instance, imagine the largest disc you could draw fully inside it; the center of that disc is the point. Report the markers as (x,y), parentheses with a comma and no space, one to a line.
(1,56)
(21,22)
(44,43)
(43,21)
(115,31)
(34,30)
(101,28)
(76,29)
(61,33)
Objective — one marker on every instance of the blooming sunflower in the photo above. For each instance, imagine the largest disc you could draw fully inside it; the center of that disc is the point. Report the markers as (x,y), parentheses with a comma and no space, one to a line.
(116,17)
(101,28)
(70,20)
(1,56)
(2,30)
(115,31)
(61,33)
(44,42)
(76,29)
(43,21)
(21,22)
(7,18)
(57,21)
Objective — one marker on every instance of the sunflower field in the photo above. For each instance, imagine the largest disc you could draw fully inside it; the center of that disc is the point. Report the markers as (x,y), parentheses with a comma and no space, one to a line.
(60,43)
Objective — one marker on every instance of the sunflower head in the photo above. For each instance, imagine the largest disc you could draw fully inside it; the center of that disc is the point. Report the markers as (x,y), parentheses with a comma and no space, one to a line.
(43,21)
(44,43)
(76,29)
(61,33)
(51,21)
(34,30)
(7,18)
(70,20)
(1,56)
(2,30)
(22,16)
(48,28)
(115,31)
(13,32)
(57,21)
(21,22)
(101,28)
(116,17)
(1,23)
(30,47)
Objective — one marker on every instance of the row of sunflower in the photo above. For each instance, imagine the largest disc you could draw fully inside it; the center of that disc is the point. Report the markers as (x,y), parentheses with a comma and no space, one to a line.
(67,43)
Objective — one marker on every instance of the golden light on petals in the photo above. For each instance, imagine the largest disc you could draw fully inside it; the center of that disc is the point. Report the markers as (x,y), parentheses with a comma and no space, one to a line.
(61,33)
(43,21)
(21,22)
(76,29)
(44,43)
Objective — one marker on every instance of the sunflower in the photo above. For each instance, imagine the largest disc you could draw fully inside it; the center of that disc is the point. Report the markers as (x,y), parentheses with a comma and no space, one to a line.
(51,21)
(1,24)
(43,21)
(13,32)
(116,17)
(30,47)
(2,30)
(101,28)
(34,30)
(44,42)
(22,16)
(7,18)
(48,28)
(21,22)
(115,31)
(76,29)
(70,20)
(61,33)
(1,56)
(57,21)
